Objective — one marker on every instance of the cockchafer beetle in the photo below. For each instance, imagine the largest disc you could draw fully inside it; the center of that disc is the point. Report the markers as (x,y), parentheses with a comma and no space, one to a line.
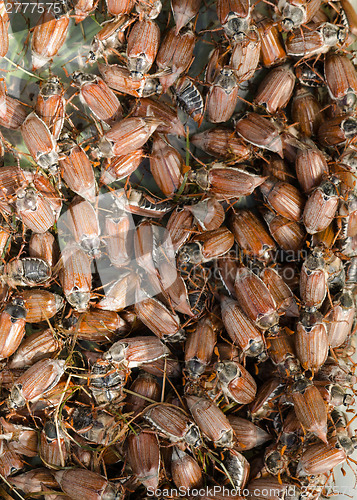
(186,472)
(184,11)
(143,454)
(222,96)
(173,423)
(226,182)
(222,142)
(36,381)
(135,351)
(51,105)
(199,346)
(96,94)
(160,320)
(321,206)
(84,484)
(48,37)
(241,329)
(206,246)
(127,136)
(314,39)
(245,55)
(313,280)
(322,458)
(42,344)
(337,130)
(119,8)
(169,122)
(95,325)
(236,382)
(255,299)
(337,372)
(280,292)
(266,400)
(311,167)
(310,408)
(282,354)
(189,99)
(120,167)
(143,45)
(118,78)
(106,382)
(276,89)
(40,142)
(12,326)
(54,446)
(41,305)
(311,341)
(252,235)
(340,319)
(44,246)
(166,166)
(82,220)
(75,276)
(272,48)
(76,168)
(28,271)
(306,111)
(260,132)
(211,420)
(175,55)
(284,198)
(341,80)
(237,467)
(294,13)
(144,388)
(180,226)
(247,435)
(234,15)
(34,209)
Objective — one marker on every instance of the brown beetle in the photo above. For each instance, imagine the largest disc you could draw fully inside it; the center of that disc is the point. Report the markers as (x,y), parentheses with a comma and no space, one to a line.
(143,44)
(311,341)
(173,423)
(241,329)
(321,206)
(236,382)
(12,324)
(96,94)
(211,420)
(276,89)
(260,132)
(310,408)
(37,380)
(143,454)
(255,299)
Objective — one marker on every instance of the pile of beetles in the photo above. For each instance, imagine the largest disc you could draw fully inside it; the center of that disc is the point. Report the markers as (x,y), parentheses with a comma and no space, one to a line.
(178,247)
